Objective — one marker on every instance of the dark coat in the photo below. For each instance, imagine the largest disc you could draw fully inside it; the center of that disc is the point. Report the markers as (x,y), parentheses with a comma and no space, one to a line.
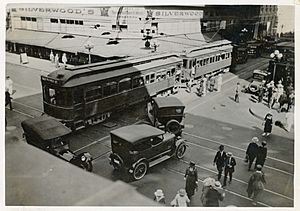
(230,165)
(252,150)
(190,182)
(220,160)
(261,155)
(213,197)
(268,124)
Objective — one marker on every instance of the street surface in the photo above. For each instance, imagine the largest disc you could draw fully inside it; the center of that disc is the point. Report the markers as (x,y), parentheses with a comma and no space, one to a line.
(210,121)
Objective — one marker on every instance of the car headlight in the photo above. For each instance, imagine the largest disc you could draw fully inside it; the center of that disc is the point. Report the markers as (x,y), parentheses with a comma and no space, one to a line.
(83,158)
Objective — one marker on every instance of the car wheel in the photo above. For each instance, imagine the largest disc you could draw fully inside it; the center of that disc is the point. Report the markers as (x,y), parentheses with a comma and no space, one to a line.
(173,126)
(140,170)
(180,150)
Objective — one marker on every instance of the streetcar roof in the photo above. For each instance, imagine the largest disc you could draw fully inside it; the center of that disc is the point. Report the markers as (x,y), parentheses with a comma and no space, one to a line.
(164,102)
(136,133)
(45,127)
(77,81)
(204,52)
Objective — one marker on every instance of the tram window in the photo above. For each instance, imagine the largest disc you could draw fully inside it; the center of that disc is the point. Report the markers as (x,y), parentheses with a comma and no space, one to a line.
(137,81)
(78,96)
(125,84)
(163,75)
(147,79)
(223,56)
(152,77)
(110,88)
(217,58)
(168,73)
(211,59)
(173,71)
(201,62)
(93,93)
(158,76)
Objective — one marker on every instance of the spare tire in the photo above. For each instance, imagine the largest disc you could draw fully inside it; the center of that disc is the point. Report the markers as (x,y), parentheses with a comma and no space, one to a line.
(173,126)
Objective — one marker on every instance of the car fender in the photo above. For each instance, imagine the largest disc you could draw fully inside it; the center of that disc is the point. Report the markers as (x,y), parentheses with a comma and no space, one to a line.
(140,160)
(180,141)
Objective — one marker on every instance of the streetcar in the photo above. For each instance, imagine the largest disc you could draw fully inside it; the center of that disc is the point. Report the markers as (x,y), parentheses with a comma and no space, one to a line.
(211,58)
(88,94)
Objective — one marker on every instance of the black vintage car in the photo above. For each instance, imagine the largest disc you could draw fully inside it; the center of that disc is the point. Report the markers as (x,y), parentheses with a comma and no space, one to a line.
(166,113)
(49,134)
(136,148)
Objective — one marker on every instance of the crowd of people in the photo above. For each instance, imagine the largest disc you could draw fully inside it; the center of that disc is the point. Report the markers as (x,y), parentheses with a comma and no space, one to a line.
(213,191)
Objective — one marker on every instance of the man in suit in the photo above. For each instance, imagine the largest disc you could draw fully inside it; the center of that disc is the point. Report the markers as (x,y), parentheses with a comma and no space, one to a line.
(251,152)
(220,160)
(261,154)
(229,168)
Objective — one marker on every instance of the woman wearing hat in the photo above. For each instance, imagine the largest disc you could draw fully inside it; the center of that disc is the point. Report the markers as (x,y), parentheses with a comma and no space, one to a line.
(191,178)
(181,199)
(159,196)
(256,184)
(251,152)
(268,124)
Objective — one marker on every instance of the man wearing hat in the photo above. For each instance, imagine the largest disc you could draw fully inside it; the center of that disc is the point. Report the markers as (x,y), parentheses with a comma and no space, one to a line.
(191,178)
(261,154)
(251,152)
(219,160)
(214,195)
(159,196)
(256,184)
(229,168)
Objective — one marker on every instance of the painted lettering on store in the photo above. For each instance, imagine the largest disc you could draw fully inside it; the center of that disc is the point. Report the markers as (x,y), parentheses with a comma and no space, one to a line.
(103,12)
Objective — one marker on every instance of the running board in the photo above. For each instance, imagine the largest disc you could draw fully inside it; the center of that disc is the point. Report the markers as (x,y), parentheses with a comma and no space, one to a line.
(163,158)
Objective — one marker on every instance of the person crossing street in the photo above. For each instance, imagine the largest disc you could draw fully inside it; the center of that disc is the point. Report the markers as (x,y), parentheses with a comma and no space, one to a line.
(251,152)
(219,160)
(229,168)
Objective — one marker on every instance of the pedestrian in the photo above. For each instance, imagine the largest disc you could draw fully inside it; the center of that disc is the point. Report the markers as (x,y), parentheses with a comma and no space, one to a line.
(237,93)
(207,183)
(289,117)
(181,199)
(64,59)
(219,82)
(291,100)
(191,179)
(251,152)
(280,88)
(275,97)
(219,160)
(268,122)
(9,85)
(256,184)
(56,60)
(214,195)
(261,92)
(200,89)
(189,86)
(261,154)
(204,85)
(159,196)
(208,83)
(229,168)
(212,83)
(283,99)
(8,99)
(52,57)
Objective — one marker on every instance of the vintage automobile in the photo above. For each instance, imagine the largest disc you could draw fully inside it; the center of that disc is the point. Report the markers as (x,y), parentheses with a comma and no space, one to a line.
(136,148)
(257,79)
(166,113)
(49,134)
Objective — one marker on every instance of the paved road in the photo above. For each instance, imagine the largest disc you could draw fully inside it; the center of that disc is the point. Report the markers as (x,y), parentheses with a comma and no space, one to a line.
(210,121)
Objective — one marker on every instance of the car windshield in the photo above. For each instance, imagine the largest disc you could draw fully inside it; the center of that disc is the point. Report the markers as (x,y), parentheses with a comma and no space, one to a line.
(171,111)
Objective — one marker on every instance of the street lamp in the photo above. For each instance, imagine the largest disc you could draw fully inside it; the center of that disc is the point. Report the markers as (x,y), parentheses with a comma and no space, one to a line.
(276,56)
(89,46)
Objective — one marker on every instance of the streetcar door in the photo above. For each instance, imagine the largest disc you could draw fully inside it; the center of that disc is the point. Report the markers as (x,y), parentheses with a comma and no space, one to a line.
(78,104)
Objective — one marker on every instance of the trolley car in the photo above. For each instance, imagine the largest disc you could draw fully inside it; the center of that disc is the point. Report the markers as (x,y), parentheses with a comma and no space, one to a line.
(88,95)
(212,58)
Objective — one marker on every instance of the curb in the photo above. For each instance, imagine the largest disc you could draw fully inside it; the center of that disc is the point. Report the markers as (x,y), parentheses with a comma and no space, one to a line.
(257,116)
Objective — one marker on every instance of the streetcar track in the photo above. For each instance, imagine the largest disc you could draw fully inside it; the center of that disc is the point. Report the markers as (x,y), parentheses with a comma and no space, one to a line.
(226,190)
(28,106)
(238,180)
(237,148)
(240,158)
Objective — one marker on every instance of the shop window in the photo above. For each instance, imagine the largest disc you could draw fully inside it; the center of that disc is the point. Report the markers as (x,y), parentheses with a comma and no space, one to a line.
(28,18)
(71,21)
(80,22)
(23,18)
(33,19)
(53,20)
(76,22)
(125,84)
(63,21)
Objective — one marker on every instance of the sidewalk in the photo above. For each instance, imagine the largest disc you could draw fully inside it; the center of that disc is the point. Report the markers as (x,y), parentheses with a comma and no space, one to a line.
(38,64)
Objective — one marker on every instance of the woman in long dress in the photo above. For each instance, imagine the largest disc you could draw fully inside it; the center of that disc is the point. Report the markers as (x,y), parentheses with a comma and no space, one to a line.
(268,124)
(191,178)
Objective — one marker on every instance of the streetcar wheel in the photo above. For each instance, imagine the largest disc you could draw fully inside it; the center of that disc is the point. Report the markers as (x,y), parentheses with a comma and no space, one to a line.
(180,150)
(140,170)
